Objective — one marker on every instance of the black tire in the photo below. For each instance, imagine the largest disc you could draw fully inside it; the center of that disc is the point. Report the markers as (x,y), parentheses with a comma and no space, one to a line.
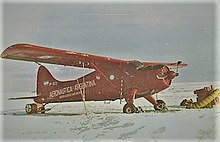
(161,106)
(129,108)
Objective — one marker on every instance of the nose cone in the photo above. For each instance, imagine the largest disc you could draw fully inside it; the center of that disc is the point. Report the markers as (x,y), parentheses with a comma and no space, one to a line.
(172,75)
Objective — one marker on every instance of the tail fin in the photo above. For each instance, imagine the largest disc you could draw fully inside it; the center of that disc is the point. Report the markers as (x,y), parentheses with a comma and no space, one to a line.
(45,81)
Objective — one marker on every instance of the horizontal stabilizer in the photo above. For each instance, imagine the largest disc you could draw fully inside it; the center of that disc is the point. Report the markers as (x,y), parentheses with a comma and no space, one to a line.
(22,98)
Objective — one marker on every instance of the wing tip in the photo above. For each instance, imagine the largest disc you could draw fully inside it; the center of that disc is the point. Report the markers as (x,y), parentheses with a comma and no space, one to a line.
(13,49)
(4,53)
(183,64)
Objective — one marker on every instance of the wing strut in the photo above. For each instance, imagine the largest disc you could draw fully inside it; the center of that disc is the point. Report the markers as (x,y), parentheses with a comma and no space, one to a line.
(97,69)
(38,63)
(83,93)
(121,90)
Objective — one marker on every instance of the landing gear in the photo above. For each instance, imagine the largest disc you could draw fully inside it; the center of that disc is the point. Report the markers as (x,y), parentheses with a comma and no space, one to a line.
(34,108)
(129,98)
(160,106)
(129,108)
(31,108)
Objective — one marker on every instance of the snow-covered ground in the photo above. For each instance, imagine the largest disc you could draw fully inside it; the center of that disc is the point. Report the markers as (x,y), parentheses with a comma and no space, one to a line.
(106,122)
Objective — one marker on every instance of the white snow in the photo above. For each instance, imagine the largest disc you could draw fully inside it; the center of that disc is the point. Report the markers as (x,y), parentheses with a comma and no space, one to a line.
(106,122)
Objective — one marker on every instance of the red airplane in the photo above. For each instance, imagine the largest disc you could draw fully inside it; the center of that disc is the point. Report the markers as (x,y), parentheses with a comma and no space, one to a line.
(111,79)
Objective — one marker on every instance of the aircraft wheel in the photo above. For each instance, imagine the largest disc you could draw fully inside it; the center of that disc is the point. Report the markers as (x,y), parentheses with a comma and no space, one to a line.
(129,108)
(161,106)
(31,108)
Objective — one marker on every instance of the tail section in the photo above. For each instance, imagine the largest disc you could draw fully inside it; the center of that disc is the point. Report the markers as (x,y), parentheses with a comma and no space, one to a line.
(45,81)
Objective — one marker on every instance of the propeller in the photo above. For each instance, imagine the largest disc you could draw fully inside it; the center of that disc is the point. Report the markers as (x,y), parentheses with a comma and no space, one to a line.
(177,65)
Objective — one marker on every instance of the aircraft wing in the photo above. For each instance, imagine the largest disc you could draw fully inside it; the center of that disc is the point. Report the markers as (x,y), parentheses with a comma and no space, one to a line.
(180,64)
(155,65)
(33,53)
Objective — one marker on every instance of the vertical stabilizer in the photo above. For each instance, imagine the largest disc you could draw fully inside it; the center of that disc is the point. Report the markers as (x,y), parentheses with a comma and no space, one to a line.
(45,81)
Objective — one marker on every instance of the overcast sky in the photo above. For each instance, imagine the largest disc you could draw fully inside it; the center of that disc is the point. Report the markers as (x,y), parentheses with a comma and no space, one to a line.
(143,31)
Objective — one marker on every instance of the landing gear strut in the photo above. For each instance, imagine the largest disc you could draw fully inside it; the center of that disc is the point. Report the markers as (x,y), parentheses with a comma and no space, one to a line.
(129,98)
(34,108)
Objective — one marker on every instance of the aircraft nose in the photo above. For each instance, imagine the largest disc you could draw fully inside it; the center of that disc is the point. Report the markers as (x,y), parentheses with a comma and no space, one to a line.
(172,75)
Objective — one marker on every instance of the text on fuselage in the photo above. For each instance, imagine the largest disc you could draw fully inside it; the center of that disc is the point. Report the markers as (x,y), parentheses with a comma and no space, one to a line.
(70,89)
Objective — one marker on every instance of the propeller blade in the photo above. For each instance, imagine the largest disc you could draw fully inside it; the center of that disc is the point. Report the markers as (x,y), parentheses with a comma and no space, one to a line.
(177,65)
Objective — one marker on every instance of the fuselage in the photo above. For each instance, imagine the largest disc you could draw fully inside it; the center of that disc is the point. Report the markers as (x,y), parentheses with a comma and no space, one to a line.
(106,83)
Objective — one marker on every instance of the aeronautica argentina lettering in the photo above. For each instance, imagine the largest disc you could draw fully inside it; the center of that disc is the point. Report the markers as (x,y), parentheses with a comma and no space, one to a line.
(71,89)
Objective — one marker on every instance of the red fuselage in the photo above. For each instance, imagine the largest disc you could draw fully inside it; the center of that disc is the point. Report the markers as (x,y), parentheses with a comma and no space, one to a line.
(106,83)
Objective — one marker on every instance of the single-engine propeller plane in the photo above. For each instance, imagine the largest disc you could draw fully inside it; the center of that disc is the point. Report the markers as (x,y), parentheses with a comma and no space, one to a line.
(111,79)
